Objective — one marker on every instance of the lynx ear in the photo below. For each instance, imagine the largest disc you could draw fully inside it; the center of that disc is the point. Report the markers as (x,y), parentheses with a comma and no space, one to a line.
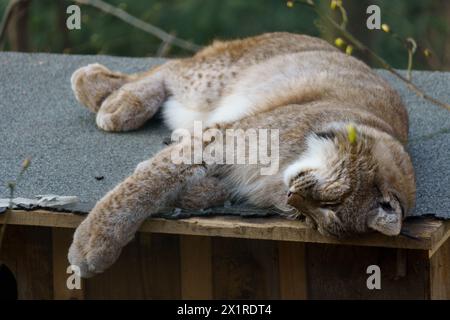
(385,220)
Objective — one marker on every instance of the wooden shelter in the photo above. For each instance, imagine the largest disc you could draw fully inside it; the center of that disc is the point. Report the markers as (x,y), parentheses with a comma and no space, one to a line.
(199,257)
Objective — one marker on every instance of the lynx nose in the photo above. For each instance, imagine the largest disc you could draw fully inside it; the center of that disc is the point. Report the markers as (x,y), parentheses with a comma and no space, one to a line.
(295,200)
(300,203)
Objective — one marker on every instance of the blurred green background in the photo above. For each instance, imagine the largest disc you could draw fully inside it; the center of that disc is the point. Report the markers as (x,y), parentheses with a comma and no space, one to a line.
(40,26)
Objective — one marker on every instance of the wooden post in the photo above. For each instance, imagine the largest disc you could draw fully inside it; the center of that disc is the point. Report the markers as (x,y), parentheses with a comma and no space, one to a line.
(291,257)
(148,268)
(196,267)
(245,269)
(18,26)
(61,240)
(440,273)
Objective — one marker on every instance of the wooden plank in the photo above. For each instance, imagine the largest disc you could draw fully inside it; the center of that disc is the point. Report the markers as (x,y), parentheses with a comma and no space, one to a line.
(431,233)
(44,218)
(27,253)
(439,237)
(61,240)
(160,265)
(440,273)
(148,268)
(291,257)
(123,280)
(245,269)
(196,267)
(340,272)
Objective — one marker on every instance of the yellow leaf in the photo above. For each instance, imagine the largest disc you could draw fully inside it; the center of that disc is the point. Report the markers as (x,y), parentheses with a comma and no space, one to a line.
(335,3)
(385,27)
(339,42)
(351,133)
(349,50)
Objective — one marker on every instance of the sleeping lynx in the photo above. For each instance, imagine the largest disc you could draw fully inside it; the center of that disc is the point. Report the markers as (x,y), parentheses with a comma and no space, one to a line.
(300,85)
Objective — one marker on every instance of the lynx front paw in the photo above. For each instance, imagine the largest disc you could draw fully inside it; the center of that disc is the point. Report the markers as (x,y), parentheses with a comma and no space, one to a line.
(94,248)
(93,83)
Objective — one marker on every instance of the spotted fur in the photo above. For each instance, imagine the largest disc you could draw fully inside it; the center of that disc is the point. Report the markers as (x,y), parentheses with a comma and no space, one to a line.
(300,85)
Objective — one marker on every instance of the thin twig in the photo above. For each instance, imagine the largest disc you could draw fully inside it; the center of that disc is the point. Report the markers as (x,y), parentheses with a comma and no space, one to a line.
(7,214)
(360,46)
(132,20)
(410,65)
(411,47)
(406,42)
(6,18)
(344,17)
(164,47)
(12,187)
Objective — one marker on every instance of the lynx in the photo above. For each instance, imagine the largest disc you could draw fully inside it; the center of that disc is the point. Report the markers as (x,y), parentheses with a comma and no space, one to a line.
(304,87)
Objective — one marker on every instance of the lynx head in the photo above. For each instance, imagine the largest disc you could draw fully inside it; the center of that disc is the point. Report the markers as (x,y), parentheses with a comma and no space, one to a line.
(352,182)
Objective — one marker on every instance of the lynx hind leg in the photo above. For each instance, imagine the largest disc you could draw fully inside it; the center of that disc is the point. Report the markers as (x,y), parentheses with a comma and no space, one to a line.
(132,105)
(204,193)
(93,83)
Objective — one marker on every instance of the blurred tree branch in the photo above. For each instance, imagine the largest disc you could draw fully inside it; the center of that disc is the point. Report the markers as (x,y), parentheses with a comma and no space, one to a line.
(363,48)
(16,14)
(61,23)
(135,22)
(164,47)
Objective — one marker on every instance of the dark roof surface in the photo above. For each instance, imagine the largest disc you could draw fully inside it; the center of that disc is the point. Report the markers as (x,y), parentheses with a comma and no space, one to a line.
(39,117)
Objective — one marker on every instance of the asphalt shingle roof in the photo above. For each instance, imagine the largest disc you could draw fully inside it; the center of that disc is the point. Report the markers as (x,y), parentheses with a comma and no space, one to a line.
(39,117)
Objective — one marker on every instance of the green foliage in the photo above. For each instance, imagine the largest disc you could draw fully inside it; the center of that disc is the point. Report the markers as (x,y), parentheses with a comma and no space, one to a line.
(201,21)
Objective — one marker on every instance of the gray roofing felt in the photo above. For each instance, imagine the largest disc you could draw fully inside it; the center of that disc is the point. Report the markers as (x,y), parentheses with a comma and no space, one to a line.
(40,118)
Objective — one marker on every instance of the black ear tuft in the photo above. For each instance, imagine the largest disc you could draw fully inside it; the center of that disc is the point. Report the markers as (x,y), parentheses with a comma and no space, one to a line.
(326,135)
